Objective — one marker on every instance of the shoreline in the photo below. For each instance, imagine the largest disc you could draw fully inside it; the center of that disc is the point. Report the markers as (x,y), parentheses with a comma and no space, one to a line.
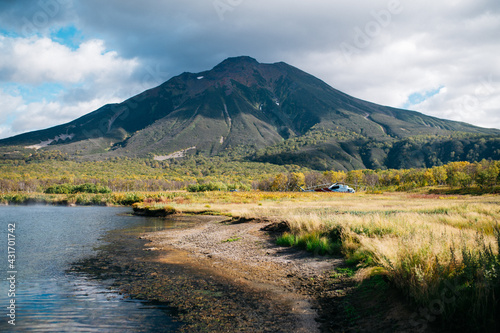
(221,275)
(206,295)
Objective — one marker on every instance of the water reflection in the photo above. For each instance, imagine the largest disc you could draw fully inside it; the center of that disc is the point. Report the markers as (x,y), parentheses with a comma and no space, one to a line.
(48,240)
(152,224)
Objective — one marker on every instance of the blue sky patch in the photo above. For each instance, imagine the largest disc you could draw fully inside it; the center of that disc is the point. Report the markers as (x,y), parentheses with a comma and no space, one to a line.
(8,33)
(69,36)
(30,94)
(419,97)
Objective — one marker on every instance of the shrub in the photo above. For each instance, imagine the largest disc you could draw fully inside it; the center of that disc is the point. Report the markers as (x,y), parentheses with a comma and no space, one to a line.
(90,188)
(130,198)
(98,200)
(83,199)
(217,186)
(17,198)
(72,189)
(59,189)
(407,187)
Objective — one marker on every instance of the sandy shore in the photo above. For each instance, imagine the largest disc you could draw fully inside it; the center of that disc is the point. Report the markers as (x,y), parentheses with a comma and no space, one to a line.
(222,276)
(246,254)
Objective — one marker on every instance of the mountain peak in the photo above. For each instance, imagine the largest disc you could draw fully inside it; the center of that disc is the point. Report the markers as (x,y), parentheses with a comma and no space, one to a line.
(236,61)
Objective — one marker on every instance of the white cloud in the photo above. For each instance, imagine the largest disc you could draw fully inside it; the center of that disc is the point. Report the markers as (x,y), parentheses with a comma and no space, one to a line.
(18,116)
(39,60)
(410,57)
(45,114)
(90,76)
(8,106)
(476,102)
(9,103)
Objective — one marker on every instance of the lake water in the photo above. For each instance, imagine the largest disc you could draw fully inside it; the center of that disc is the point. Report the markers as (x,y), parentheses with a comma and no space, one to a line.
(47,298)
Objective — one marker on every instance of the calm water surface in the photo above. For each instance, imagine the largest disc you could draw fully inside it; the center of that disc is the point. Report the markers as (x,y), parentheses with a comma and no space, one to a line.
(48,299)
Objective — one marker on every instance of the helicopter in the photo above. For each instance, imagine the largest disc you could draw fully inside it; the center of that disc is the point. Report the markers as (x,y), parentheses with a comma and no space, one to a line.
(336,187)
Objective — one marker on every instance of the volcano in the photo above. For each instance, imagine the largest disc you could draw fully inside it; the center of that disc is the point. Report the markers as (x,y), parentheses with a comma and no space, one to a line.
(238,103)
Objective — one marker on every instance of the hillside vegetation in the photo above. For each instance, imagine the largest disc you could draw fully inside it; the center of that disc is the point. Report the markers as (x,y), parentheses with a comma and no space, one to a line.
(328,149)
(37,172)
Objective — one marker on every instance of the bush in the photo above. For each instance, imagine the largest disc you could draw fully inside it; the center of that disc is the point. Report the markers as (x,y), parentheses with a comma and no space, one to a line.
(59,189)
(207,187)
(407,187)
(73,189)
(82,199)
(130,198)
(98,200)
(91,188)
(17,198)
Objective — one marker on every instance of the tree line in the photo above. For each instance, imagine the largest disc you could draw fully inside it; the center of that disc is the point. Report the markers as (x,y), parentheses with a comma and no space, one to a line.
(203,174)
(484,174)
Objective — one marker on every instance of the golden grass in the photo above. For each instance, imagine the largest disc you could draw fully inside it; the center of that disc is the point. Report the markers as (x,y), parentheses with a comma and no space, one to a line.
(420,242)
(383,224)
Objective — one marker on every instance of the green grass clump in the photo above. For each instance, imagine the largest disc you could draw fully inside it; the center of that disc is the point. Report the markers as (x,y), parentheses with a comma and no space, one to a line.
(360,257)
(232,239)
(287,239)
(343,271)
(311,242)
(129,199)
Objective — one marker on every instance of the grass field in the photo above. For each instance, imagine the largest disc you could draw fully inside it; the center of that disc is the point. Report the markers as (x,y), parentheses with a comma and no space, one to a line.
(440,251)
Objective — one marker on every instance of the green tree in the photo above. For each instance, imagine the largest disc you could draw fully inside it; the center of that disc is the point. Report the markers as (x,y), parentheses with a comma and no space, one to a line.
(487,175)
(355,176)
(456,173)
(428,178)
(463,179)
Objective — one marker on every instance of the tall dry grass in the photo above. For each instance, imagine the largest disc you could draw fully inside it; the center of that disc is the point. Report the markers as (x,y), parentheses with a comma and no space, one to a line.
(424,244)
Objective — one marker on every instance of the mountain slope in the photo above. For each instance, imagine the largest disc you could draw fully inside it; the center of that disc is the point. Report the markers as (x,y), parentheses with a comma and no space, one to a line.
(240,102)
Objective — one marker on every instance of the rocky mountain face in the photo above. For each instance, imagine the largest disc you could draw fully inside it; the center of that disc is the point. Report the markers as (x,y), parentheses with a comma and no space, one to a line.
(274,112)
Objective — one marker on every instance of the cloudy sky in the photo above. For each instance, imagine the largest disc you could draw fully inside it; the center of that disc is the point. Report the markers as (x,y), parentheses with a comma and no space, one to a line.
(60,59)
